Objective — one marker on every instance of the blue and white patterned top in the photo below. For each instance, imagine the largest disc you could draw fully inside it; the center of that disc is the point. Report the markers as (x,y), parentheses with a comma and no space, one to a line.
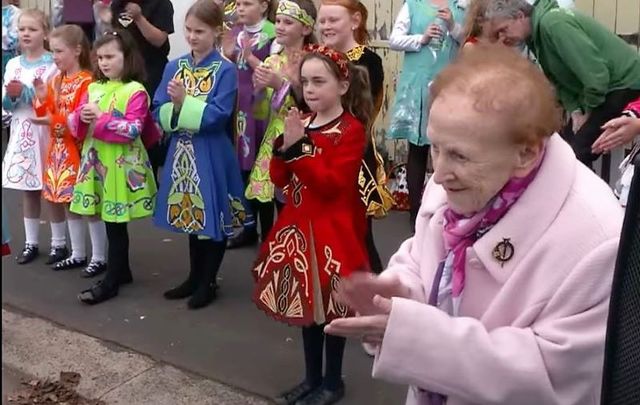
(10,16)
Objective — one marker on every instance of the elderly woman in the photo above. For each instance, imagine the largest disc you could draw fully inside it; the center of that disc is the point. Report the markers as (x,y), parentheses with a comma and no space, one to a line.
(501,296)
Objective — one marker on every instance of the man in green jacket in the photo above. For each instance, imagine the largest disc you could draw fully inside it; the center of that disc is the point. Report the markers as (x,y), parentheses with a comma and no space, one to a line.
(596,74)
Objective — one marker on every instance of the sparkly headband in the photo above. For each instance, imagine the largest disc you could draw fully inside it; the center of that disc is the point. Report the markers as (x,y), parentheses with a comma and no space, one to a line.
(338,58)
(293,10)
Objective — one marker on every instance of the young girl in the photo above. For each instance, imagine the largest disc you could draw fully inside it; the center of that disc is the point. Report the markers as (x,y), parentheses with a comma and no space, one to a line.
(250,43)
(429,33)
(23,163)
(343,26)
(115,179)
(320,233)
(474,23)
(201,188)
(294,29)
(57,100)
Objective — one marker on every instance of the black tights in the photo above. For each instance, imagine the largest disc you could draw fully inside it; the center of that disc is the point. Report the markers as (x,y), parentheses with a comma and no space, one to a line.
(118,269)
(416,172)
(374,257)
(314,340)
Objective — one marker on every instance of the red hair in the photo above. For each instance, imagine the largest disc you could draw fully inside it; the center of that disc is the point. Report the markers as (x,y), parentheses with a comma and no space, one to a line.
(360,34)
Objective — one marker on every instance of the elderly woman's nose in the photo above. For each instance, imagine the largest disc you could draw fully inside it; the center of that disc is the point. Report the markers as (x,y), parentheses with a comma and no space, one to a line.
(441,170)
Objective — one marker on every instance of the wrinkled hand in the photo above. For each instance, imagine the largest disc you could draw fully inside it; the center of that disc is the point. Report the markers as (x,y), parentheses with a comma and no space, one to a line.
(176,92)
(370,328)
(293,128)
(40,89)
(617,132)
(134,10)
(264,76)
(447,16)
(357,291)
(433,31)
(577,120)
(14,88)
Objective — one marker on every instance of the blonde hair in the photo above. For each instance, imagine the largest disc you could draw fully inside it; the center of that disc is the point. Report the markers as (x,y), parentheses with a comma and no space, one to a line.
(73,36)
(501,82)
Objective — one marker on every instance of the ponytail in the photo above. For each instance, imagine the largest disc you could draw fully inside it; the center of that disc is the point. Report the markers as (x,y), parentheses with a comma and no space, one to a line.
(361,34)
(358,100)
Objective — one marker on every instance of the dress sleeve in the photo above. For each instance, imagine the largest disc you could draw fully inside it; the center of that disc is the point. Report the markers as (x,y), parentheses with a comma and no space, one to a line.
(162,105)
(400,40)
(114,128)
(25,98)
(46,106)
(329,171)
(78,128)
(59,121)
(210,116)
(278,169)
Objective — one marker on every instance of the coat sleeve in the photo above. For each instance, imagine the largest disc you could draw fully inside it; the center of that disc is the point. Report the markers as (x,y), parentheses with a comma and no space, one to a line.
(210,116)
(126,128)
(328,172)
(555,356)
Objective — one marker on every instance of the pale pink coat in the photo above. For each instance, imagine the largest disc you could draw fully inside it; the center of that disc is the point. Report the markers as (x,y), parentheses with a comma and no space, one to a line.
(530,330)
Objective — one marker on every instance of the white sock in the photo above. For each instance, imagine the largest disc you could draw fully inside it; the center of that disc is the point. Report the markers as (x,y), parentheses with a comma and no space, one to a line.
(77,233)
(58,234)
(31,231)
(98,234)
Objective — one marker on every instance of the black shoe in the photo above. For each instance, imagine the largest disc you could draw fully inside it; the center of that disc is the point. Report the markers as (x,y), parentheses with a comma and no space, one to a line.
(94,268)
(296,393)
(29,254)
(184,290)
(57,254)
(203,296)
(69,263)
(98,293)
(322,396)
(248,237)
(126,278)
(188,287)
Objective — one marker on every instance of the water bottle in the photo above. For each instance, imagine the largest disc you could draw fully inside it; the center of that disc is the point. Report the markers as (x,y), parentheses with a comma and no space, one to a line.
(435,43)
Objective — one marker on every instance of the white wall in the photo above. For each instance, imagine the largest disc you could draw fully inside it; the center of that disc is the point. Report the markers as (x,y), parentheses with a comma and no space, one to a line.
(178,43)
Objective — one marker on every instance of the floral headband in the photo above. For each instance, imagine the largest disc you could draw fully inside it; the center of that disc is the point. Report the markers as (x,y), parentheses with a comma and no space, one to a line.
(338,58)
(293,10)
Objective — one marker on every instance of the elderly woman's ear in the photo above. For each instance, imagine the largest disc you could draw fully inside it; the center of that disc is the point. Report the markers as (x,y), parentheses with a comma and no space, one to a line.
(528,157)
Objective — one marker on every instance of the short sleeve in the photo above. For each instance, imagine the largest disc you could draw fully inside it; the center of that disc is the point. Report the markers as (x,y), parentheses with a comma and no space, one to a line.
(161,16)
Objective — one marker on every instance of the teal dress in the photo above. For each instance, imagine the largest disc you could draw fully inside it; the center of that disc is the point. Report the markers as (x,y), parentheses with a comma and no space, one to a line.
(418,71)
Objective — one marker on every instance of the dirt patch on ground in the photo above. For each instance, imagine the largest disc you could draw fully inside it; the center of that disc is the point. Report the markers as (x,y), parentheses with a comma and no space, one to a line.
(48,392)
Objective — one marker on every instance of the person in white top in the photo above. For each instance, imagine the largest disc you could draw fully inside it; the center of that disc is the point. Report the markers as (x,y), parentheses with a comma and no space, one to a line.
(23,163)
(429,32)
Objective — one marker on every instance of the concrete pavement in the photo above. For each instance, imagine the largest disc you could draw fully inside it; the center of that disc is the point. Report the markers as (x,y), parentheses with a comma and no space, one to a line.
(230,342)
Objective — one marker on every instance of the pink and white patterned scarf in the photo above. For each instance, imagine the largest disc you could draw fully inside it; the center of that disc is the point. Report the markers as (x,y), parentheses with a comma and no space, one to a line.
(461,232)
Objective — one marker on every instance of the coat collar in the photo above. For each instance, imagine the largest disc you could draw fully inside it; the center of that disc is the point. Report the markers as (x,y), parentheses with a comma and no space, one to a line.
(527,220)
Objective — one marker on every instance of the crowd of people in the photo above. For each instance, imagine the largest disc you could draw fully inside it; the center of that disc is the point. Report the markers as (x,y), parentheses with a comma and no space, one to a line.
(264,133)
